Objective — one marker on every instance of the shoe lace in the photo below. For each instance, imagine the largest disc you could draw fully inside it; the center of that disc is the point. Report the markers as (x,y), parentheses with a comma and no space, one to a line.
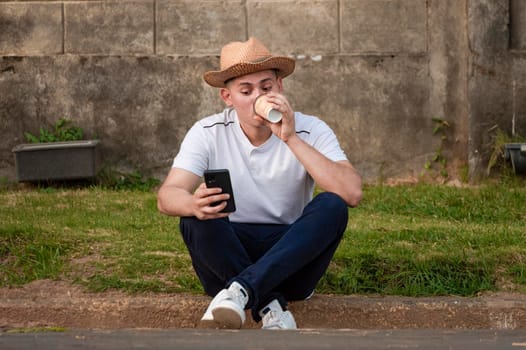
(239,296)
(273,318)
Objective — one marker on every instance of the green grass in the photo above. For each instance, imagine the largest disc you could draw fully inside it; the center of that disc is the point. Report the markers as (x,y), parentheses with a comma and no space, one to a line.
(433,240)
(415,240)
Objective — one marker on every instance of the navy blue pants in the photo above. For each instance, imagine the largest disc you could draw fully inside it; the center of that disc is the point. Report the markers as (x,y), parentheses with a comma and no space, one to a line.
(283,262)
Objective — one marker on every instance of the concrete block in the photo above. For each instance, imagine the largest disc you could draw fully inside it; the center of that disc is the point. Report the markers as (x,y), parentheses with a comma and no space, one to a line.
(140,108)
(490,79)
(518,24)
(102,27)
(295,26)
(377,106)
(517,124)
(199,27)
(489,25)
(384,26)
(30,29)
(448,68)
(491,106)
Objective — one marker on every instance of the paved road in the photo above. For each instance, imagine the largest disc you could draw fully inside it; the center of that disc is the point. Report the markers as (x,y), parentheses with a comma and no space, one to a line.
(181,339)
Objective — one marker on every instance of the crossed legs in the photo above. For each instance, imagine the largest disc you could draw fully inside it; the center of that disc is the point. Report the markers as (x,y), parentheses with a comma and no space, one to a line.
(282,262)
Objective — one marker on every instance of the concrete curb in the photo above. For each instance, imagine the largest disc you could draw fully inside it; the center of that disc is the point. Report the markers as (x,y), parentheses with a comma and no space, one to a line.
(75,309)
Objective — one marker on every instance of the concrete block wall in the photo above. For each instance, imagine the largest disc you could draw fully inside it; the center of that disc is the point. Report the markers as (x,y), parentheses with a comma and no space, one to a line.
(496,87)
(130,73)
(518,70)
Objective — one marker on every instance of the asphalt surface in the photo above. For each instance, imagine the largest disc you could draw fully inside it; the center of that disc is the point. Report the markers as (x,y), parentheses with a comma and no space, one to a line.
(260,340)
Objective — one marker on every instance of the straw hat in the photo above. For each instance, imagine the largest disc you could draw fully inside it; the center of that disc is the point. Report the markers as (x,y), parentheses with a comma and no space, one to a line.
(240,58)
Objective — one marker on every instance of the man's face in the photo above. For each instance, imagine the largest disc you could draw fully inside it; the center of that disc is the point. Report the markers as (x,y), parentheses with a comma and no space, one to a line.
(241,93)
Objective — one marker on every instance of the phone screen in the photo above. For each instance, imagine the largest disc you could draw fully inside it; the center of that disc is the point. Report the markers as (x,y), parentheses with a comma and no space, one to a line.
(221,178)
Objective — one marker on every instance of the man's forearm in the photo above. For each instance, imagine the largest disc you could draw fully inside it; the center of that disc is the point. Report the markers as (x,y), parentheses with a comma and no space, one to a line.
(337,177)
(174,201)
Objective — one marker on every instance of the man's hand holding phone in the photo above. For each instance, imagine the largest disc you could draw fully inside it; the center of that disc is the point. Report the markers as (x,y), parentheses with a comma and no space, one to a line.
(205,198)
(214,197)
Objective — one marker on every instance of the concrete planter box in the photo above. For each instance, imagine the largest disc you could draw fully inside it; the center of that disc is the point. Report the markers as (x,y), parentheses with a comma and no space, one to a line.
(57,160)
(516,152)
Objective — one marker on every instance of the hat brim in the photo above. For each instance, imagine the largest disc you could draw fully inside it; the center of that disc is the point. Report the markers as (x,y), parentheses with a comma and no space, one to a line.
(283,65)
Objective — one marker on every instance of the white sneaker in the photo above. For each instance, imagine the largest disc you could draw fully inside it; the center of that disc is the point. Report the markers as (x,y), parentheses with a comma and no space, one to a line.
(227,309)
(207,321)
(275,318)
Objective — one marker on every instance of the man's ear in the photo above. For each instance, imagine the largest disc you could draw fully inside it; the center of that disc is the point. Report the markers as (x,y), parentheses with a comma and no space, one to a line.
(226,96)
(279,80)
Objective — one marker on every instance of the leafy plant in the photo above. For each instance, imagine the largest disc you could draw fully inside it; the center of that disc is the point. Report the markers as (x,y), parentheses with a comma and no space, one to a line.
(63,130)
(115,180)
(6,184)
(441,128)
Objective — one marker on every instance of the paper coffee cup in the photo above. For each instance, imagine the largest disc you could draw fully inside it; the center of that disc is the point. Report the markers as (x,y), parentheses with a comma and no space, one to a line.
(264,109)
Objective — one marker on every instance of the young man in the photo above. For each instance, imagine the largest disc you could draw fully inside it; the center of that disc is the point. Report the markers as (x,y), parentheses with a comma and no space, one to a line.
(278,243)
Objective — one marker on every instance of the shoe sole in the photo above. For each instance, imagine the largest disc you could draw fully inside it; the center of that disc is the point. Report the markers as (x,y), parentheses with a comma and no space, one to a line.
(227,318)
(209,324)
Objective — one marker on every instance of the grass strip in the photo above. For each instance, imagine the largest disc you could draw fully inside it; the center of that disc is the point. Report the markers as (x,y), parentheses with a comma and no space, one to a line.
(414,240)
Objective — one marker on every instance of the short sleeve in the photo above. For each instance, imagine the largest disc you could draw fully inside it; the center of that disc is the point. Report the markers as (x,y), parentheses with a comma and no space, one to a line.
(326,142)
(193,154)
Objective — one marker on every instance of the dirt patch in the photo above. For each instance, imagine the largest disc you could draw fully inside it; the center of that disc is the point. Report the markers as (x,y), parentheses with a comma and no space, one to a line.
(60,304)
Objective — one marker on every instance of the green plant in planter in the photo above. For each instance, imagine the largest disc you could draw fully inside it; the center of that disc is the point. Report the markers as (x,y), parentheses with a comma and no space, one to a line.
(58,153)
(63,130)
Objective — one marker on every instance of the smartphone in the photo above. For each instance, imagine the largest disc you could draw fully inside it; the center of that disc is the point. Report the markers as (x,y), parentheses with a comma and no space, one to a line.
(221,178)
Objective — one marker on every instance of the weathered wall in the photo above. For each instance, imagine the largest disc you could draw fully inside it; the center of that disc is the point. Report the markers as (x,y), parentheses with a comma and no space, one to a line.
(129,72)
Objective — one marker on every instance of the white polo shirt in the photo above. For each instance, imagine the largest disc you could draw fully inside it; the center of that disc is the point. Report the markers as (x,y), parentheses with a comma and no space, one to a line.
(270,185)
